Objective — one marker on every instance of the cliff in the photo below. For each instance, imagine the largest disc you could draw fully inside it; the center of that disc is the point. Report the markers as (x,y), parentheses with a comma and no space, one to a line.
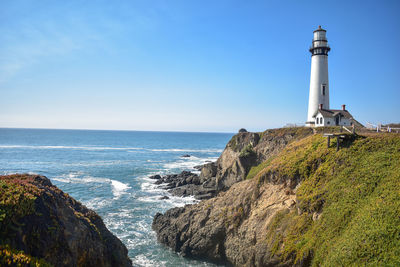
(246,150)
(304,205)
(42,226)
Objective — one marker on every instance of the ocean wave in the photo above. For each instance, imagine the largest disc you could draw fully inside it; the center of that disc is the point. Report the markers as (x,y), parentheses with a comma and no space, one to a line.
(129,149)
(119,188)
(71,147)
(80,178)
(187,163)
(97,203)
(172,201)
(186,150)
(143,260)
(98,163)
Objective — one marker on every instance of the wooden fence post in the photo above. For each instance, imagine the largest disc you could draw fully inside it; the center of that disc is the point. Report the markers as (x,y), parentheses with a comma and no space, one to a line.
(337,143)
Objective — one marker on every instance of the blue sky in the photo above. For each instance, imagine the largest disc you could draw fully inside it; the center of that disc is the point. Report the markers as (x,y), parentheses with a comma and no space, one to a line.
(192,65)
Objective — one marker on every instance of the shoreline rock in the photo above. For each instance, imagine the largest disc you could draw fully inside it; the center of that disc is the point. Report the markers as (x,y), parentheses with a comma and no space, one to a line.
(41,221)
(185,184)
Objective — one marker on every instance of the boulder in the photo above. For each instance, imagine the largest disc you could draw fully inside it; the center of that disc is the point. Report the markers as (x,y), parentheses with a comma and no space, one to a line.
(48,224)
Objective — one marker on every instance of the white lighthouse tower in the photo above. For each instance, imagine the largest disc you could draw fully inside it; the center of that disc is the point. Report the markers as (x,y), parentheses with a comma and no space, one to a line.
(319,83)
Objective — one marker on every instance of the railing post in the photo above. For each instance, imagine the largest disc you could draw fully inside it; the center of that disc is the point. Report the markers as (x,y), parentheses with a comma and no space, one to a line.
(337,143)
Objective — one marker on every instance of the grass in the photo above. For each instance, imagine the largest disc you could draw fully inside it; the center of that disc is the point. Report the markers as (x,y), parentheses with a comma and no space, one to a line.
(356,191)
(257,169)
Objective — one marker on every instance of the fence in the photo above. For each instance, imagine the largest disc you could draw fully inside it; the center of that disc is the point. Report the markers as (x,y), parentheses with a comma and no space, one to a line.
(382,128)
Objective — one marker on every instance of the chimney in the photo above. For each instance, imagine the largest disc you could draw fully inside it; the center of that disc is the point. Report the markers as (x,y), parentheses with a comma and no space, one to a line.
(343,107)
(320,106)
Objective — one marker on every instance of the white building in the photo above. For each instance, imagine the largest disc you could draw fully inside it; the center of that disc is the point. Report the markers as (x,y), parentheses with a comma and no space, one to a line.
(319,113)
(333,117)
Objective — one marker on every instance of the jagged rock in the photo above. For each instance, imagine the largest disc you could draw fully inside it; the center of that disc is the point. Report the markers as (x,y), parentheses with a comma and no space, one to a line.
(198,167)
(55,227)
(246,150)
(208,171)
(185,184)
(186,156)
(156,177)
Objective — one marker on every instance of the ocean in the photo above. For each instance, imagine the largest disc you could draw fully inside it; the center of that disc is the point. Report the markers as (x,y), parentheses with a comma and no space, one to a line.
(108,172)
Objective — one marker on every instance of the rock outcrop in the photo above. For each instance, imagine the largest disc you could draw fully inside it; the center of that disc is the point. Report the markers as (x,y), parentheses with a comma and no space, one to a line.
(185,184)
(40,221)
(246,150)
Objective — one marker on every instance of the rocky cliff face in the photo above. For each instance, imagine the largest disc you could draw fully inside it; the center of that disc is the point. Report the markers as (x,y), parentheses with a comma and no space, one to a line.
(246,150)
(307,205)
(39,221)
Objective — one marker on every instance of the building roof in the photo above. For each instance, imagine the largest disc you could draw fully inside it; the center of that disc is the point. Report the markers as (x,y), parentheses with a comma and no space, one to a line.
(331,113)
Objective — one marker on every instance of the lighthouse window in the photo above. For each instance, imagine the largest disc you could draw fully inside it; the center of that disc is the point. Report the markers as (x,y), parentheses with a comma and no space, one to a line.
(323,89)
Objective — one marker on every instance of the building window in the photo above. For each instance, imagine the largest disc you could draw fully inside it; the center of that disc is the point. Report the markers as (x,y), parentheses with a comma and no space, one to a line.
(329,122)
(323,89)
(321,121)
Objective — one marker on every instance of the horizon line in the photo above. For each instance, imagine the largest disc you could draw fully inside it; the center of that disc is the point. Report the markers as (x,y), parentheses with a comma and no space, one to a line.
(115,130)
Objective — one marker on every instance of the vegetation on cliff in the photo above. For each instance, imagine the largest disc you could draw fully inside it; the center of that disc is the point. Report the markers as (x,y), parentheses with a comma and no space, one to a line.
(42,226)
(348,202)
(17,199)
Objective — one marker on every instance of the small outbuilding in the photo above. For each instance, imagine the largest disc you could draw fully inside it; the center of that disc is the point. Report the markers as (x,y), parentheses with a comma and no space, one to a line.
(333,117)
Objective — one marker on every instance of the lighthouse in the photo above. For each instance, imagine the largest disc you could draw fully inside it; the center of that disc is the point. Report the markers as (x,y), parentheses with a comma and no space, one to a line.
(319,113)
(319,82)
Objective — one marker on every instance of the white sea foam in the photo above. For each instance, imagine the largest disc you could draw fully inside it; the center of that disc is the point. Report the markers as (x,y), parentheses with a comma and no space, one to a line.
(79,178)
(97,203)
(151,187)
(100,163)
(187,163)
(143,261)
(181,201)
(118,188)
(186,150)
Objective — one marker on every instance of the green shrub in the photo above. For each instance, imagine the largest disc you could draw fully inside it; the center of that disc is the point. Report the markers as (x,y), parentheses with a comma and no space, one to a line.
(247,151)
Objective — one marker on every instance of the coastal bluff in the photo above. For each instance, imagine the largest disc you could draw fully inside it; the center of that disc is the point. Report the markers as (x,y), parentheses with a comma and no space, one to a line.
(286,199)
(40,225)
